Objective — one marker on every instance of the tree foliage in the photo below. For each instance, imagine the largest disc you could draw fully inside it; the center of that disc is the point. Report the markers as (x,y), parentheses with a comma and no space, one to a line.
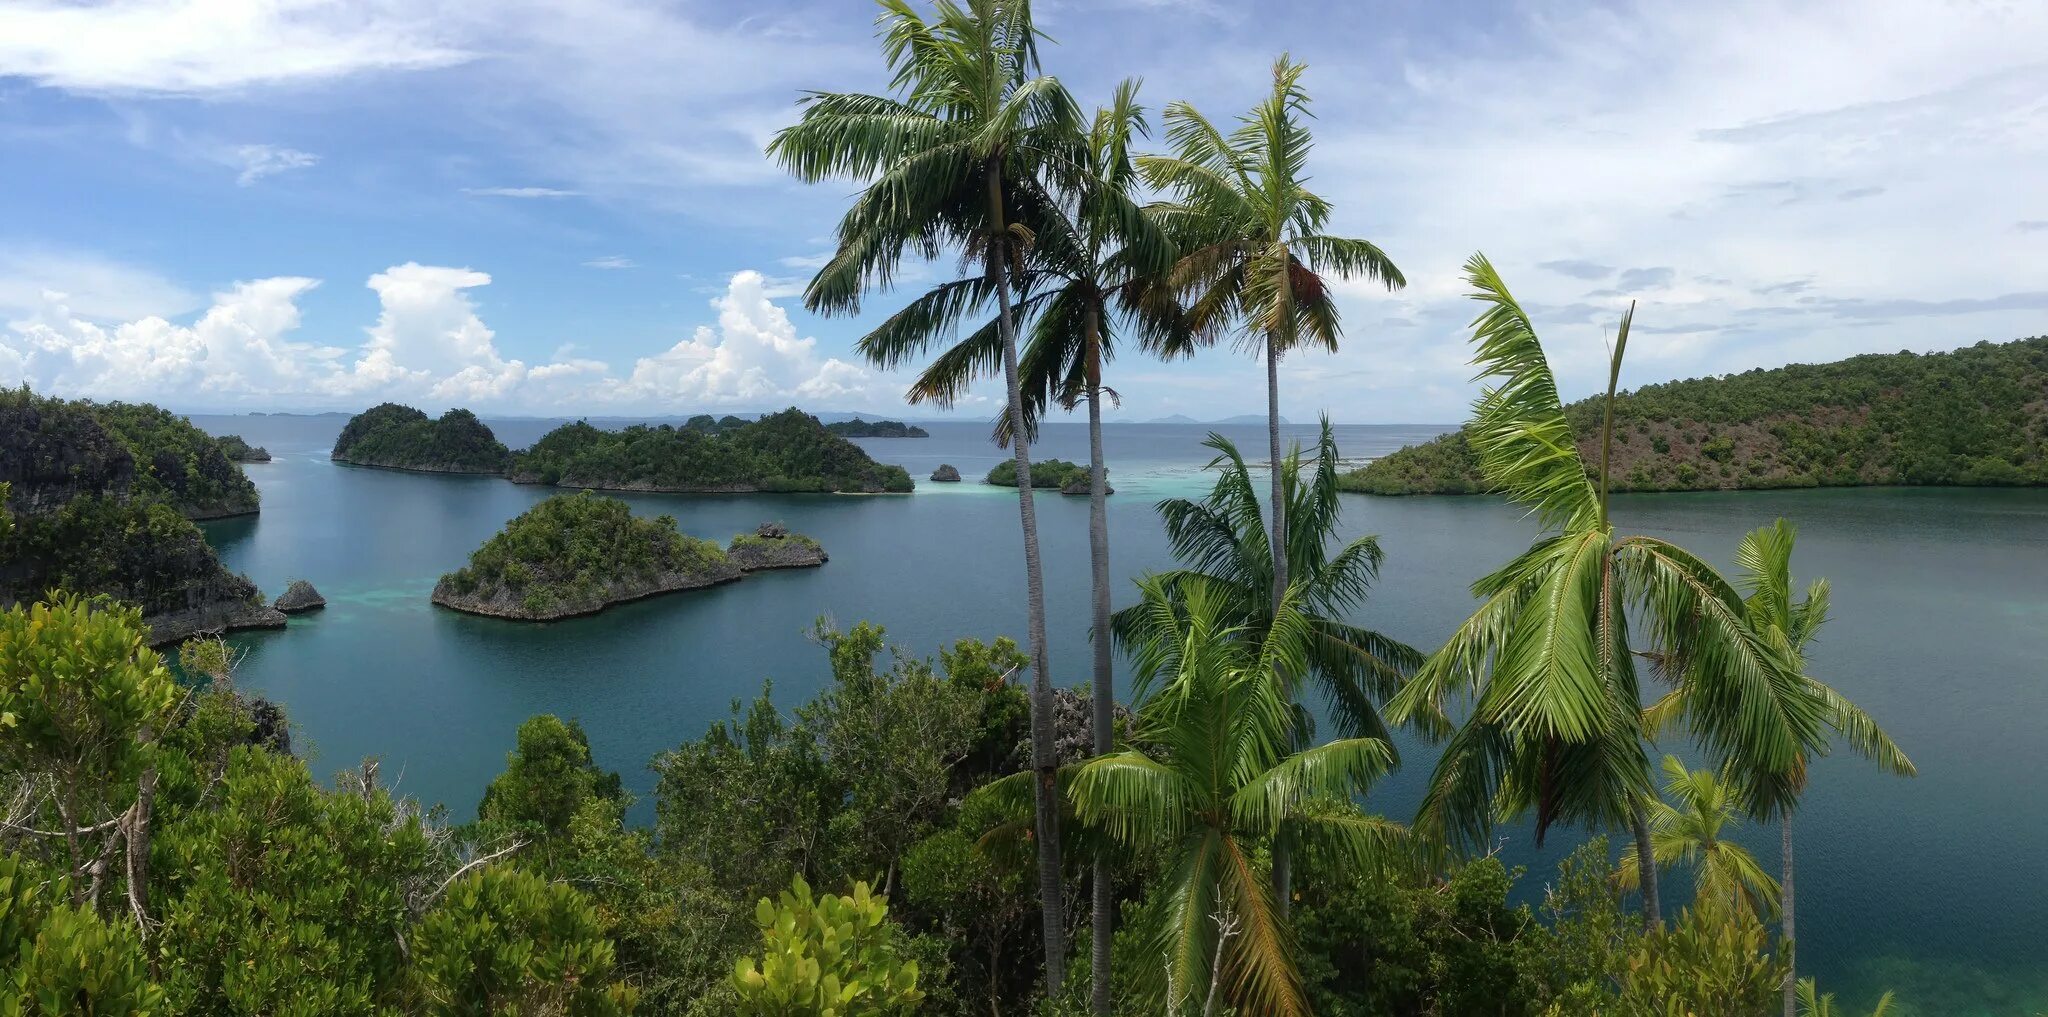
(403,438)
(788,451)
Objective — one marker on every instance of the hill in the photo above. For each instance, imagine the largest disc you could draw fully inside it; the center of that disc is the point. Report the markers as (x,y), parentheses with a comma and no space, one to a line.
(194,471)
(858,428)
(1977,416)
(577,554)
(788,451)
(396,437)
(88,517)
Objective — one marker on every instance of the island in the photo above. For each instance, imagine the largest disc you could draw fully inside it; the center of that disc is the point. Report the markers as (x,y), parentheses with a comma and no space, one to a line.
(395,437)
(1048,475)
(577,554)
(236,448)
(88,515)
(772,546)
(184,464)
(788,451)
(858,428)
(947,473)
(1977,416)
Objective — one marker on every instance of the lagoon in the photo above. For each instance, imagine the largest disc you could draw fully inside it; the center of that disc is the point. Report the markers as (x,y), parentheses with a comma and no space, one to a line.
(1931,886)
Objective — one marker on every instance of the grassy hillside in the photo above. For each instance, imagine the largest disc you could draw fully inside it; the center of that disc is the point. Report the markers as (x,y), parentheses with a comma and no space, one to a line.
(1975,416)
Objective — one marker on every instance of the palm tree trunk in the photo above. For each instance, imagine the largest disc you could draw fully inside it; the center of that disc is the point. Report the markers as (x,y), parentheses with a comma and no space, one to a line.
(1785,918)
(1276,528)
(1104,692)
(1045,802)
(1646,865)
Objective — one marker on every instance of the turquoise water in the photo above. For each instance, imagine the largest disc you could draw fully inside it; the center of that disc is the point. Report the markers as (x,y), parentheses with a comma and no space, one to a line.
(1940,630)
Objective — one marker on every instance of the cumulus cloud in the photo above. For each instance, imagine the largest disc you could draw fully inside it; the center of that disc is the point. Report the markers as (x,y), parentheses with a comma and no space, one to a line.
(428,345)
(259,161)
(196,47)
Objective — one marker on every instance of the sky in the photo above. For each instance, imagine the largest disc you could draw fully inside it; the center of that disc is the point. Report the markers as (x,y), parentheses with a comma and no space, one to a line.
(557,207)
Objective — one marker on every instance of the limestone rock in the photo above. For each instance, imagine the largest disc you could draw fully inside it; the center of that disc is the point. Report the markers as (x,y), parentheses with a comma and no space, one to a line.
(946,474)
(300,596)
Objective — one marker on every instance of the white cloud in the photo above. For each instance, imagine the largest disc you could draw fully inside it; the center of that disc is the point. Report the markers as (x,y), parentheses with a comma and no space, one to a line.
(429,345)
(198,47)
(259,161)
(613,261)
(93,287)
(520,192)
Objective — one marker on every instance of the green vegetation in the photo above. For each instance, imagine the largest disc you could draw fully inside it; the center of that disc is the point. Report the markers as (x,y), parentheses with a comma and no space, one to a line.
(238,449)
(782,452)
(858,428)
(826,954)
(86,515)
(402,438)
(575,554)
(1046,474)
(1973,416)
(189,468)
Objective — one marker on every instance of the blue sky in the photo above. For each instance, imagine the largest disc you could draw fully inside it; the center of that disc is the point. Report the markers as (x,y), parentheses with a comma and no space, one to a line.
(547,206)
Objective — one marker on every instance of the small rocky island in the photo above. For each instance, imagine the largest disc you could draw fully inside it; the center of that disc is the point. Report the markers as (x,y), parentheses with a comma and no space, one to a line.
(772,546)
(299,597)
(237,448)
(1048,475)
(396,437)
(577,554)
(786,452)
(947,473)
(101,497)
(858,428)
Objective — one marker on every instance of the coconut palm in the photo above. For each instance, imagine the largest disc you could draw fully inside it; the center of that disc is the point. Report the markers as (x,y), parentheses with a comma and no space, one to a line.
(1222,543)
(1219,775)
(1096,270)
(944,161)
(1687,828)
(1255,254)
(1763,562)
(1553,725)
(1813,1003)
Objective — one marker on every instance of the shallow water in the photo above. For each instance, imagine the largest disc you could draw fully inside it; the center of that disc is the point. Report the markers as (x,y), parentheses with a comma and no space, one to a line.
(1940,630)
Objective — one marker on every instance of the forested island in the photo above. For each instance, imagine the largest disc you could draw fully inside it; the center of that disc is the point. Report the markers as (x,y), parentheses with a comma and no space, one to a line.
(788,451)
(858,428)
(1975,416)
(101,498)
(395,437)
(235,447)
(576,554)
(1046,475)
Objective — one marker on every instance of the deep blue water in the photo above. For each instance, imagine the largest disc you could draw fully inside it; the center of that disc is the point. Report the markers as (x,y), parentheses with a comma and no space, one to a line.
(1932,886)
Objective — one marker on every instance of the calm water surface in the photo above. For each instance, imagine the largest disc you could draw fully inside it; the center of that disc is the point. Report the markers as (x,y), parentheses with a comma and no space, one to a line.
(1932,886)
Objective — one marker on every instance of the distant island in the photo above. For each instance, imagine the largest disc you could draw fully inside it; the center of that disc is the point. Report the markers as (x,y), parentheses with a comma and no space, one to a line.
(100,496)
(1046,475)
(788,451)
(1242,418)
(395,437)
(577,554)
(1977,416)
(858,428)
(239,450)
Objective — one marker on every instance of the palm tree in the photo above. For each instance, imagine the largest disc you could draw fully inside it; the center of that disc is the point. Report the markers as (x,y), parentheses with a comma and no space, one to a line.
(1814,1004)
(1096,266)
(1223,542)
(1554,721)
(1687,829)
(943,163)
(1255,252)
(1763,562)
(1220,773)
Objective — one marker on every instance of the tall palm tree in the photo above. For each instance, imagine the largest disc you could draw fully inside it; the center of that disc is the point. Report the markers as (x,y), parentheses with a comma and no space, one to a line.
(1554,724)
(1763,563)
(1255,253)
(1222,543)
(944,162)
(1096,268)
(1686,828)
(1221,773)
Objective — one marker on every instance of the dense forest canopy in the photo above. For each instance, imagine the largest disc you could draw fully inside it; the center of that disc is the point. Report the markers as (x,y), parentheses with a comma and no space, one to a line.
(788,451)
(1973,416)
(1046,474)
(196,472)
(400,437)
(572,554)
